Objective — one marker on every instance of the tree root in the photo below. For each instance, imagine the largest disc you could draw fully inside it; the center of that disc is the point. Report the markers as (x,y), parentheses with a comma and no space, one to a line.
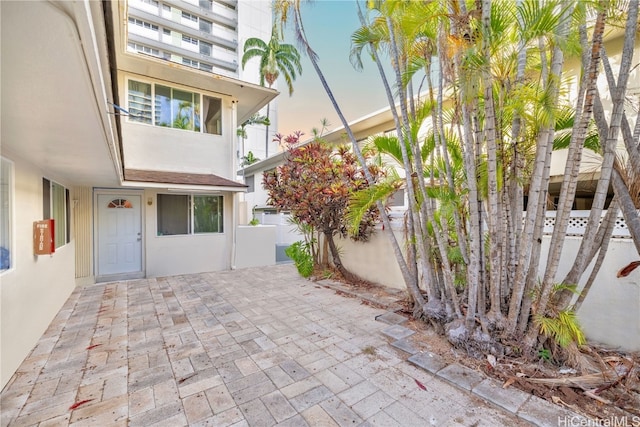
(475,342)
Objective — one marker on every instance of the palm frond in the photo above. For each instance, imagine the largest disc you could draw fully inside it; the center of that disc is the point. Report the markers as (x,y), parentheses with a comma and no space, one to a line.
(363,200)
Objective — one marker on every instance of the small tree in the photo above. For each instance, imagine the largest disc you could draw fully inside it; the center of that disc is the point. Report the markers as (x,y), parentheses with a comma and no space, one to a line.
(249,159)
(276,59)
(315,184)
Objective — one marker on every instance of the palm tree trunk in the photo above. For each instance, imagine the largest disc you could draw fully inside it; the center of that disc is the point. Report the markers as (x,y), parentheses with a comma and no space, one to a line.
(600,246)
(570,181)
(494,217)
(409,279)
(602,188)
(474,233)
(439,134)
(629,211)
(416,226)
(531,279)
(337,262)
(537,190)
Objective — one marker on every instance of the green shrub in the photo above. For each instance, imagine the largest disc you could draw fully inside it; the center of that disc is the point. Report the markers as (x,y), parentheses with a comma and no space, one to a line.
(301,255)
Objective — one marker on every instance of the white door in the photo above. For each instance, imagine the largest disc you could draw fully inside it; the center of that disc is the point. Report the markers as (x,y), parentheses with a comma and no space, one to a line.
(119,234)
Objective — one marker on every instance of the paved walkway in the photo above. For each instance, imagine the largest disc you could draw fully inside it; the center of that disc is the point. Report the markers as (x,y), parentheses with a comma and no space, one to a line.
(256,347)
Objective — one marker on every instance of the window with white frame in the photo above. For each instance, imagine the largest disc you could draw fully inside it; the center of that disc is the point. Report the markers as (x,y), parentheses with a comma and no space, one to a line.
(143,24)
(55,205)
(181,214)
(190,17)
(212,114)
(249,181)
(167,106)
(205,26)
(176,108)
(140,104)
(190,62)
(6,213)
(190,40)
(205,48)
(136,47)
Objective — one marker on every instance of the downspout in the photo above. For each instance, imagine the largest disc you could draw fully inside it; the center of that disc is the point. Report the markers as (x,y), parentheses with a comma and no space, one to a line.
(234,167)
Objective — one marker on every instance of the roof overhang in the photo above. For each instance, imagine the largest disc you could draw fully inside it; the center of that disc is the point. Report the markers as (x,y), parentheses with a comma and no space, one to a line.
(371,124)
(178,181)
(55,88)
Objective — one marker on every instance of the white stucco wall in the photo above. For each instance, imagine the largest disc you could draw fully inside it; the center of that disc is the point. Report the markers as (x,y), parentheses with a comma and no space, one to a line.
(256,246)
(258,197)
(36,287)
(374,260)
(611,312)
(195,253)
(609,315)
(149,147)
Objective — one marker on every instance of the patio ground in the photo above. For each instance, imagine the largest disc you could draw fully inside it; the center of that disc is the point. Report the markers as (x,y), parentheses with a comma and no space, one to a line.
(255,347)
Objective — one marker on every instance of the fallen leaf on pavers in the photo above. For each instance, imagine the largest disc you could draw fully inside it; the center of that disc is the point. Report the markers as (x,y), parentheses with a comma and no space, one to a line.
(420,384)
(77,404)
(180,381)
(93,346)
(625,271)
(508,382)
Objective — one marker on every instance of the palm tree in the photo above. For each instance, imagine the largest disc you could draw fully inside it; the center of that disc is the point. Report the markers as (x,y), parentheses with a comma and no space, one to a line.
(283,8)
(275,59)
(501,67)
(249,159)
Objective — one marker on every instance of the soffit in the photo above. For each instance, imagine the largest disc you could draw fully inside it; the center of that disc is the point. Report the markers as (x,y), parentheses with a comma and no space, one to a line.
(50,114)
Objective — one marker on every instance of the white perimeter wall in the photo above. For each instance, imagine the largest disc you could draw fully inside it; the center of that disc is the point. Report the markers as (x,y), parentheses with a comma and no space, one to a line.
(35,288)
(611,312)
(195,253)
(256,246)
(609,315)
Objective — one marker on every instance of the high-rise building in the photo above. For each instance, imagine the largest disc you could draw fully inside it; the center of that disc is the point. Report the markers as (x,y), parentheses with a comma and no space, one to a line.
(208,35)
(202,34)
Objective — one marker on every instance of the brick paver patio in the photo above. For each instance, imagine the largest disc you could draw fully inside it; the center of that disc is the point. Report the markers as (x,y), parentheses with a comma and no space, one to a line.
(256,347)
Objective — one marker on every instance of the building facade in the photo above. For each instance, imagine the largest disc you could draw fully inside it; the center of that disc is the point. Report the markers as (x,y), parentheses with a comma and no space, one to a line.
(131,159)
(207,35)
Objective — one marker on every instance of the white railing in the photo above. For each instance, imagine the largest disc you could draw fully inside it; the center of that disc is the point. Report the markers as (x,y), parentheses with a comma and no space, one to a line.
(578,223)
(286,233)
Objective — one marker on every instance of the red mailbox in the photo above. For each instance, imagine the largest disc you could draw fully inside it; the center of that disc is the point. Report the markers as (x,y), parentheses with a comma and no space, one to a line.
(44,242)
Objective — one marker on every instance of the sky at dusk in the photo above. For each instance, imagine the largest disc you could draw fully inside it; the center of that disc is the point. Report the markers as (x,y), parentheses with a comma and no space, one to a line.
(329,25)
